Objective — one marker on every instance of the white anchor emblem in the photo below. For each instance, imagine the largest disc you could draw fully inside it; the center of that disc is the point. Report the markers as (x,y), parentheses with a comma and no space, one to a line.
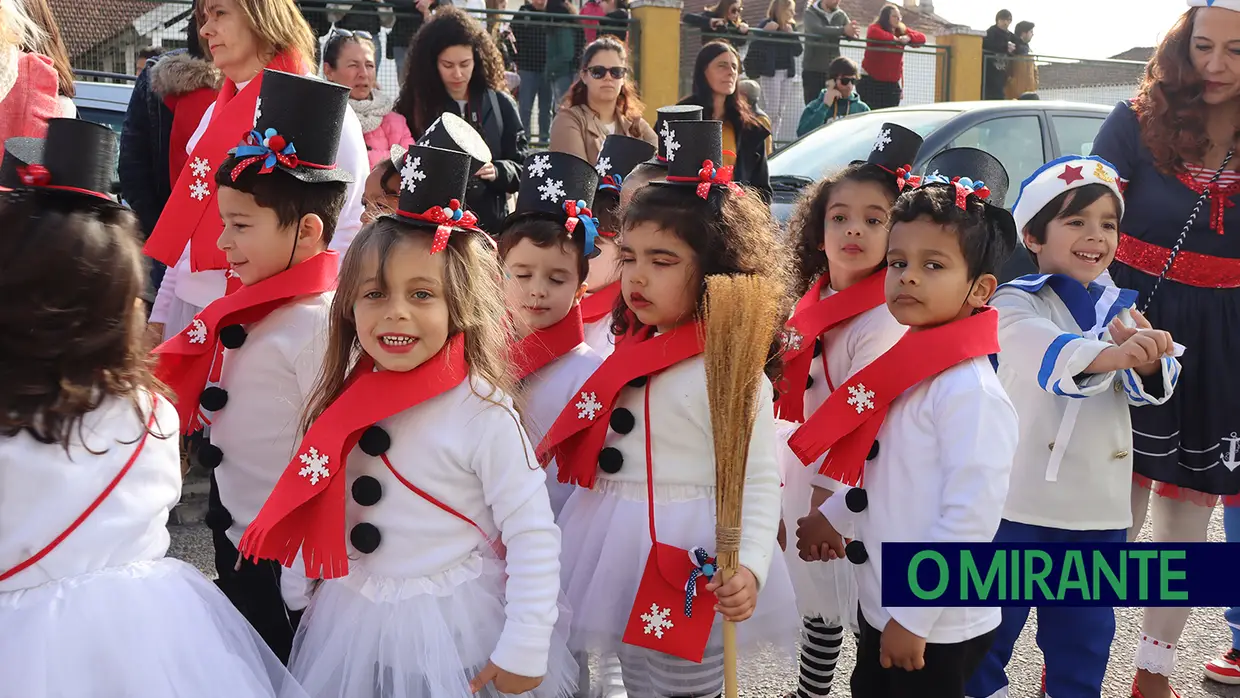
(1230,460)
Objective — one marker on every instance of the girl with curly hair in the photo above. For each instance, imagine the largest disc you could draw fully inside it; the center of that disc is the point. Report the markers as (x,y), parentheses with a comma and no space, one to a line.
(651,439)
(1167,145)
(454,66)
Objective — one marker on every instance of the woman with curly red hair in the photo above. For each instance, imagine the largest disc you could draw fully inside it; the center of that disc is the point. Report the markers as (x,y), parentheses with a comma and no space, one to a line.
(1171,144)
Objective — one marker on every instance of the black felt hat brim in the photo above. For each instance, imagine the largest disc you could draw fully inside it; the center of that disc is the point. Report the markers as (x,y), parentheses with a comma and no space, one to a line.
(314,175)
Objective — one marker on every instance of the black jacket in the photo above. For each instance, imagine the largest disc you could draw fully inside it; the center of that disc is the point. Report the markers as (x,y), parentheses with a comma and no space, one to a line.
(994,61)
(363,15)
(751,167)
(506,138)
(615,23)
(772,53)
(701,20)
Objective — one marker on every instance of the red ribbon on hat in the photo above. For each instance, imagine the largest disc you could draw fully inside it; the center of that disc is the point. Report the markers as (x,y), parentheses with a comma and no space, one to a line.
(34,175)
(904,178)
(708,176)
(962,193)
(447,218)
(571,208)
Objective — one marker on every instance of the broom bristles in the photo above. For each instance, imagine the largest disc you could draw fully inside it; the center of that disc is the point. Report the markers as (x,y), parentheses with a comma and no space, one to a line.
(741,317)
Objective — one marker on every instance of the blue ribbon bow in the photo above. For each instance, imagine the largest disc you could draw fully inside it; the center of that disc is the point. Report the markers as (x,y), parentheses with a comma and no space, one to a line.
(703,566)
(258,145)
(611,181)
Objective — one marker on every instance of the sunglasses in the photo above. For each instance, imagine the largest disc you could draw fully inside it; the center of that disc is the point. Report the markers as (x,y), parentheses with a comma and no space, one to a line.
(599,72)
(846,81)
(337,31)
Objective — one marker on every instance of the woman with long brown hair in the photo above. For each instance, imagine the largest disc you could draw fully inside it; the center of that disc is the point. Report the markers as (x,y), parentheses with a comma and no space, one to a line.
(51,44)
(32,84)
(453,66)
(244,38)
(601,102)
(1170,144)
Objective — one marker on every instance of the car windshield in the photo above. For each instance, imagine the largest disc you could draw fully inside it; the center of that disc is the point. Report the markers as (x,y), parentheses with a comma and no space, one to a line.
(831,148)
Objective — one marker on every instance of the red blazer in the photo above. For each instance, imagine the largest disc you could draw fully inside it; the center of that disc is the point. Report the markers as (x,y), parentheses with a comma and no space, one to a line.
(885,62)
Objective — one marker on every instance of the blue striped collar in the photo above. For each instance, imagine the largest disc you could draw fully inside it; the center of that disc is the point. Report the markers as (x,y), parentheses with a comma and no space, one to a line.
(1093,307)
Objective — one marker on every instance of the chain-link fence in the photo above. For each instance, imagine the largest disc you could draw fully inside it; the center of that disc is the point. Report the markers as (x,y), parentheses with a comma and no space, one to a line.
(1093,81)
(765,55)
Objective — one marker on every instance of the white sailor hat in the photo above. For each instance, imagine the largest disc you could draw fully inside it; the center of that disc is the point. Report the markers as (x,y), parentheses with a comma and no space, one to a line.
(1060,175)
(1233,5)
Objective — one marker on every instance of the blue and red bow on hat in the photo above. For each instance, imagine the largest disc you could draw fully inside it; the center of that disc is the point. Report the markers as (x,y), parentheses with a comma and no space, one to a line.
(578,213)
(964,186)
(703,566)
(709,176)
(446,218)
(611,181)
(268,147)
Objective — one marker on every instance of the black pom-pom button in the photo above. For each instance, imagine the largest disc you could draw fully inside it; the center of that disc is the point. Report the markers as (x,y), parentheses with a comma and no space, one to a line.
(610,460)
(232,336)
(213,399)
(856,500)
(375,441)
(638,382)
(622,420)
(855,552)
(873,451)
(367,491)
(817,347)
(365,537)
(809,382)
(210,456)
(218,519)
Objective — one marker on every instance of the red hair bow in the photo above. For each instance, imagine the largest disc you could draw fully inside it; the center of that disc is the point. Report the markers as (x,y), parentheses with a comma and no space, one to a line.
(966,186)
(268,148)
(710,175)
(904,178)
(447,217)
(34,175)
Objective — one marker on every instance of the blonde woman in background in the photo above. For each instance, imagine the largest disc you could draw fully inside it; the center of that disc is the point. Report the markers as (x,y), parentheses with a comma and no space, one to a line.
(30,82)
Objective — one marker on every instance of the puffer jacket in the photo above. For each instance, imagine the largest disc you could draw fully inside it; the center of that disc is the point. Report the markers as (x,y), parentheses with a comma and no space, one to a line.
(392,131)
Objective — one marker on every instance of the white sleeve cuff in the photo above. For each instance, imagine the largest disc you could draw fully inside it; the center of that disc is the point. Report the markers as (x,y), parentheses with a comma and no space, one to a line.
(919,621)
(837,512)
(523,648)
(1134,383)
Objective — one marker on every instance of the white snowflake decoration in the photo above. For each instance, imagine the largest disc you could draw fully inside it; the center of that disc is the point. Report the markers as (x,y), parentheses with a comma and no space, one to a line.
(411,174)
(200,167)
(657,621)
(603,166)
(884,137)
(258,110)
(861,399)
(430,129)
(664,130)
(199,189)
(540,165)
(197,332)
(552,190)
(793,339)
(671,146)
(588,406)
(316,466)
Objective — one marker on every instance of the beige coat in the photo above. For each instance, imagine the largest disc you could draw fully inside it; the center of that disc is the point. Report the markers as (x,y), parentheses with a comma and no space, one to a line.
(577,130)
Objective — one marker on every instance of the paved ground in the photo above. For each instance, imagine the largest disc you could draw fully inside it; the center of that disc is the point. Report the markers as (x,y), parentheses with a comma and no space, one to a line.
(1205,636)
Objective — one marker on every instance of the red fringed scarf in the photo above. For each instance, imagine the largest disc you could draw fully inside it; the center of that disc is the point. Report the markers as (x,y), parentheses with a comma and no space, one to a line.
(600,304)
(541,347)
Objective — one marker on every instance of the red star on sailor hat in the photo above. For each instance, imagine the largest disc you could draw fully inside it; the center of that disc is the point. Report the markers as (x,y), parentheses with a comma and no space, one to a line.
(1071,174)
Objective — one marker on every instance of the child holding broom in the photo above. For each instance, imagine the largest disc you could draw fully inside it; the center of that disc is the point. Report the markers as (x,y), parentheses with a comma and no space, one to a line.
(638,560)
(928,425)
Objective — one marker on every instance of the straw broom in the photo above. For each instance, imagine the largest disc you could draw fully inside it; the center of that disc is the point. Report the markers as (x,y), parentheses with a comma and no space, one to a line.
(742,313)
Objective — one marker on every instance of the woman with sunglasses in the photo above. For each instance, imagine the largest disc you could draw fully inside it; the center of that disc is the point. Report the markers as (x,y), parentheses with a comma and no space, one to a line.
(601,102)
(349,60)
(724,17)
(838,100)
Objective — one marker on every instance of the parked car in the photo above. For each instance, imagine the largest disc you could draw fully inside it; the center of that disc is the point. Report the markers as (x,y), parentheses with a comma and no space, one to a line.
(103,103)
(1023,135)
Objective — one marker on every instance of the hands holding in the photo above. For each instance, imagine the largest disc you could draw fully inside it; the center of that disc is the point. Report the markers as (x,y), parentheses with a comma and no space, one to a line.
(817,539)
(487,172)
(852,31)
(737,597)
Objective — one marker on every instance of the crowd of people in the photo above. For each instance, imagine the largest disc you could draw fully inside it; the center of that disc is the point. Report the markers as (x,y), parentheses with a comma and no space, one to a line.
(459,401)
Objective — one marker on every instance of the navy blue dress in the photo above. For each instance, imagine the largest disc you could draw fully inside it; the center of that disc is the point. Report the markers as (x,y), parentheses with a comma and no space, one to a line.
(1191,442)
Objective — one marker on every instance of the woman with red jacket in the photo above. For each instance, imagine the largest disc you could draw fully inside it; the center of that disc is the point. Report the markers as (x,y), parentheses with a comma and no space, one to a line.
(883,64)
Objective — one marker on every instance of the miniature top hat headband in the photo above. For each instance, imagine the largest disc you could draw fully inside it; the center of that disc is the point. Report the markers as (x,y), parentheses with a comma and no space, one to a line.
(297,129)
(1233,5)
(698,161)
(894,152)
(665,115)
(972,172)
(435,201)
(1060,175)
(78,157)
(451,132)
(19,155)
(620,154)
(559,187)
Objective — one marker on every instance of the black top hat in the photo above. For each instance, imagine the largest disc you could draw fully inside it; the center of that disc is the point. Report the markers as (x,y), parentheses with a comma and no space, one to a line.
(695,157)
(981,172)
(675,112)
(297,129)
(551,179)
(431,179)
(79,157)
(19,153)
(894,149)
(620,154)
(451,132)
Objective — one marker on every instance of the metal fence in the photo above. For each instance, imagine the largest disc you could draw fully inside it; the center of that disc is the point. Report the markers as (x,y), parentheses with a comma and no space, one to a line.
(784,98)
(1093,81)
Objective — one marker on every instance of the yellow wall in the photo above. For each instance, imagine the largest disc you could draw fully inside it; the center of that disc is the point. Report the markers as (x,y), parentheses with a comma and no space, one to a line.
(960,68)
(658,52)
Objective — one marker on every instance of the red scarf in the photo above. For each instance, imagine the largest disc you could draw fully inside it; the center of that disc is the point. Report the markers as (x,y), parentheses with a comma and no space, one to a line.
(306,509)
(578,433)
(599,305)
(541,347)
(813,317)
(191,215)
(192,357)
(848,422)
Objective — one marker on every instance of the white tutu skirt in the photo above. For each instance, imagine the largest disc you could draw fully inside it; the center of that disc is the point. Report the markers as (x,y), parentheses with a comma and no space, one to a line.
(827,589)
(155,629)
(606,540)
(365,636)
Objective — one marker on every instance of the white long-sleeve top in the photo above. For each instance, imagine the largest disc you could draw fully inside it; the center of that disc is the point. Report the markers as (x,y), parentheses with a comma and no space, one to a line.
(683,451)
(940,476)
(201,287)
(43,490)
(1043,355)
(544,395)
(472,454)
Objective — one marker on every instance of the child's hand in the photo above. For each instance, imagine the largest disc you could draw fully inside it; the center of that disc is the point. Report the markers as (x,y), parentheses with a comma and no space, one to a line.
(737,597)
(899,647)
(817,539)
(1121,334)
(782,536)
(505,682)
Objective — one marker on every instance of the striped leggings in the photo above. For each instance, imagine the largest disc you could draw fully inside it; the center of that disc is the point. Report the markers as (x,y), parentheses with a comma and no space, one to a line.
(650,674)
(820,650)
